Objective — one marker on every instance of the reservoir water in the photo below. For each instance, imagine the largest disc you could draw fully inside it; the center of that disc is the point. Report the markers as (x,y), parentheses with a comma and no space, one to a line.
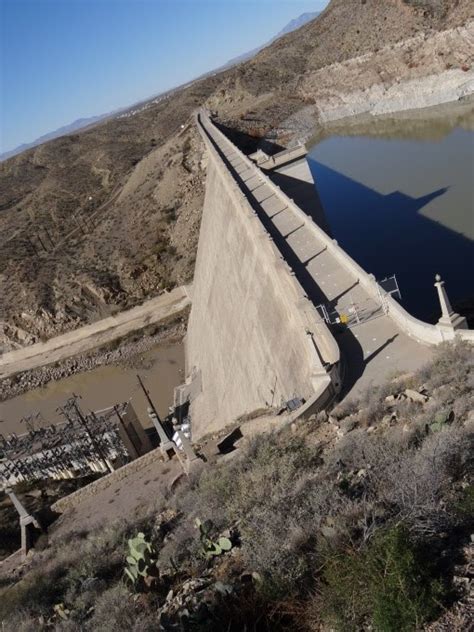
(398,196)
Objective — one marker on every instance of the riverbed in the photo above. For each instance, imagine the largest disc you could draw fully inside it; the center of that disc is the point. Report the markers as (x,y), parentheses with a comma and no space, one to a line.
(161,368)
(398,196)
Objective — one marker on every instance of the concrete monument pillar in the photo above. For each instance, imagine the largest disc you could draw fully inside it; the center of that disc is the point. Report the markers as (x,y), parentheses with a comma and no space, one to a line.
(449,320)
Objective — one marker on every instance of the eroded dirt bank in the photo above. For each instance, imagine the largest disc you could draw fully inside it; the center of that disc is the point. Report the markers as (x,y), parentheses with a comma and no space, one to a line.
(423,71)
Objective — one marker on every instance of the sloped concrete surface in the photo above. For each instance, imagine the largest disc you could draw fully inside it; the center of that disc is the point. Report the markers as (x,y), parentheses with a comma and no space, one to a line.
(373,348)
(254,339)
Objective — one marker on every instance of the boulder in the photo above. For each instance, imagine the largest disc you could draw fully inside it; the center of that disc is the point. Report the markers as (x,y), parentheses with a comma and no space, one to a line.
(415,396)
(346,426)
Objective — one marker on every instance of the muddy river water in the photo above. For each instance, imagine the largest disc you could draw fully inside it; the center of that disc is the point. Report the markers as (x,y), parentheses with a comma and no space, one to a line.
(398,196)
(161,369)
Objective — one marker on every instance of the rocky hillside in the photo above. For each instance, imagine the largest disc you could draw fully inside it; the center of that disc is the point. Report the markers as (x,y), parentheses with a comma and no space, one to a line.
(99,220)
(357,520)
(353,44)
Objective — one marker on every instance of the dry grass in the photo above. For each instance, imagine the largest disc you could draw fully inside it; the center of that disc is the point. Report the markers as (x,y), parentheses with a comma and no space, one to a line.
(317,527)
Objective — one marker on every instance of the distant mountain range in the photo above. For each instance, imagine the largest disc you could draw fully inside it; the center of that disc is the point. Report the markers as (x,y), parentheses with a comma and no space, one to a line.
(85,122)
(61,131)
(291,26)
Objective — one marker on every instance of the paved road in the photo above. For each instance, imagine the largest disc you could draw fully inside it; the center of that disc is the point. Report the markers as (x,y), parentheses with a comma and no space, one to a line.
(95,335)
(374,348)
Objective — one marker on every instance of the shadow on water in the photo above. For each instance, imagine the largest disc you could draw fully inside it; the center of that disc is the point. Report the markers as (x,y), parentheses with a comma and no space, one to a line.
(383,220)
(387,234)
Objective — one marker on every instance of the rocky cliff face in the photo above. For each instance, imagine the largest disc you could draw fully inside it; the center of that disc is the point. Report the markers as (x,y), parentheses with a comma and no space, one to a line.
(353,45)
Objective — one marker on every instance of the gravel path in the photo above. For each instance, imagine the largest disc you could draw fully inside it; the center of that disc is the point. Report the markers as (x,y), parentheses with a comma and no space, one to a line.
(157,327)
(95,335)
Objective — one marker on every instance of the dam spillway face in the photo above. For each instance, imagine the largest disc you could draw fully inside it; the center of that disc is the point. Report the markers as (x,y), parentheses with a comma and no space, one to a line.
(247,337)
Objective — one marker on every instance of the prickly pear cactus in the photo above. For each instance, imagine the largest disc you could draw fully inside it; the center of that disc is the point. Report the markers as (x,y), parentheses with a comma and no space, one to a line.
(441,419)
(210,548)
(141,567)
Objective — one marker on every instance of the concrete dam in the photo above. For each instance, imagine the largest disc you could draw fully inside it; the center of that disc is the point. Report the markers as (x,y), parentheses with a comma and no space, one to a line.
(266,275)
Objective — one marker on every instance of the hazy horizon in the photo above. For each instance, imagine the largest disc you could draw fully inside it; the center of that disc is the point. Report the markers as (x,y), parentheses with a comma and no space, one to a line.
(64,60)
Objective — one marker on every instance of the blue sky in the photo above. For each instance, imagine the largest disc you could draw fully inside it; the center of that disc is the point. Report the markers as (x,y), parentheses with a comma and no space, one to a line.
(66,59)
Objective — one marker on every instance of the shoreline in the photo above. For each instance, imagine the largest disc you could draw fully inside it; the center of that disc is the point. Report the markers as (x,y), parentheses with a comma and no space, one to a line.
(120,352)
(410,98)
(423,115)
(307,124)
(384,83)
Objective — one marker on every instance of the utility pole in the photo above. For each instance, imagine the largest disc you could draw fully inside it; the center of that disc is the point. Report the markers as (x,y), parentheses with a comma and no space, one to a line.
(147,395)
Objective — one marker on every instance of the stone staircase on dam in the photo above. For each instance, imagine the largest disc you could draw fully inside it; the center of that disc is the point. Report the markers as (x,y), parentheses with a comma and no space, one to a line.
(386,339)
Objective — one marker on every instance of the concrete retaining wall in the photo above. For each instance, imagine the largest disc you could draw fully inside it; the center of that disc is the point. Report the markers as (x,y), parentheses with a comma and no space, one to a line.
(283,157)
(77,497)
(247,332)
(95,335)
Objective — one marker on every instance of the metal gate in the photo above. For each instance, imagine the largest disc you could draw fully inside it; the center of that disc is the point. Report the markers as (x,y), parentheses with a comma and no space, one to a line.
(352,313)
(388,287)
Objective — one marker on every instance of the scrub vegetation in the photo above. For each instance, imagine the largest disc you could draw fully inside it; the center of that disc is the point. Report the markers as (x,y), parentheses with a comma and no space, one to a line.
(357,521)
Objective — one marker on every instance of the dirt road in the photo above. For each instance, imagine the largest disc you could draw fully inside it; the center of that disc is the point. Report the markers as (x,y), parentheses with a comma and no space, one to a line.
(95,335)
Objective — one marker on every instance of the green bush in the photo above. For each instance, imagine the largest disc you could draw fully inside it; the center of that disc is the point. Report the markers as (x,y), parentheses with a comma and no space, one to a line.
(391,585)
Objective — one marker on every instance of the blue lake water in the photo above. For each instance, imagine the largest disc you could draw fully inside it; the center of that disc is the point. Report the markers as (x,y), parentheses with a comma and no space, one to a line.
(400,199)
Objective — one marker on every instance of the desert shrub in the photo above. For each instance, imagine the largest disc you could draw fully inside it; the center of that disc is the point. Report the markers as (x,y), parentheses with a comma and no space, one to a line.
(420,483)
(36,593)
(266,470)
(345,408)
(409,483)
(181,548)
(22,622)
(59,573)
(280,548)
(255,491)
(100,555)
(462,405)
(465,504)
(451,367)
(306,517)
(372,406)
(390,585)
(269,472)
(358,449)
(116,611)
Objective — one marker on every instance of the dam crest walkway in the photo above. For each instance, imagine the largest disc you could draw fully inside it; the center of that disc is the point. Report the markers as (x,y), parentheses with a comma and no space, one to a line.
(374,348)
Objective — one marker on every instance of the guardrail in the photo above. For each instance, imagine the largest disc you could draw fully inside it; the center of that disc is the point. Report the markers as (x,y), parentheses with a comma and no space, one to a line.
(326,376)
(424,333)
